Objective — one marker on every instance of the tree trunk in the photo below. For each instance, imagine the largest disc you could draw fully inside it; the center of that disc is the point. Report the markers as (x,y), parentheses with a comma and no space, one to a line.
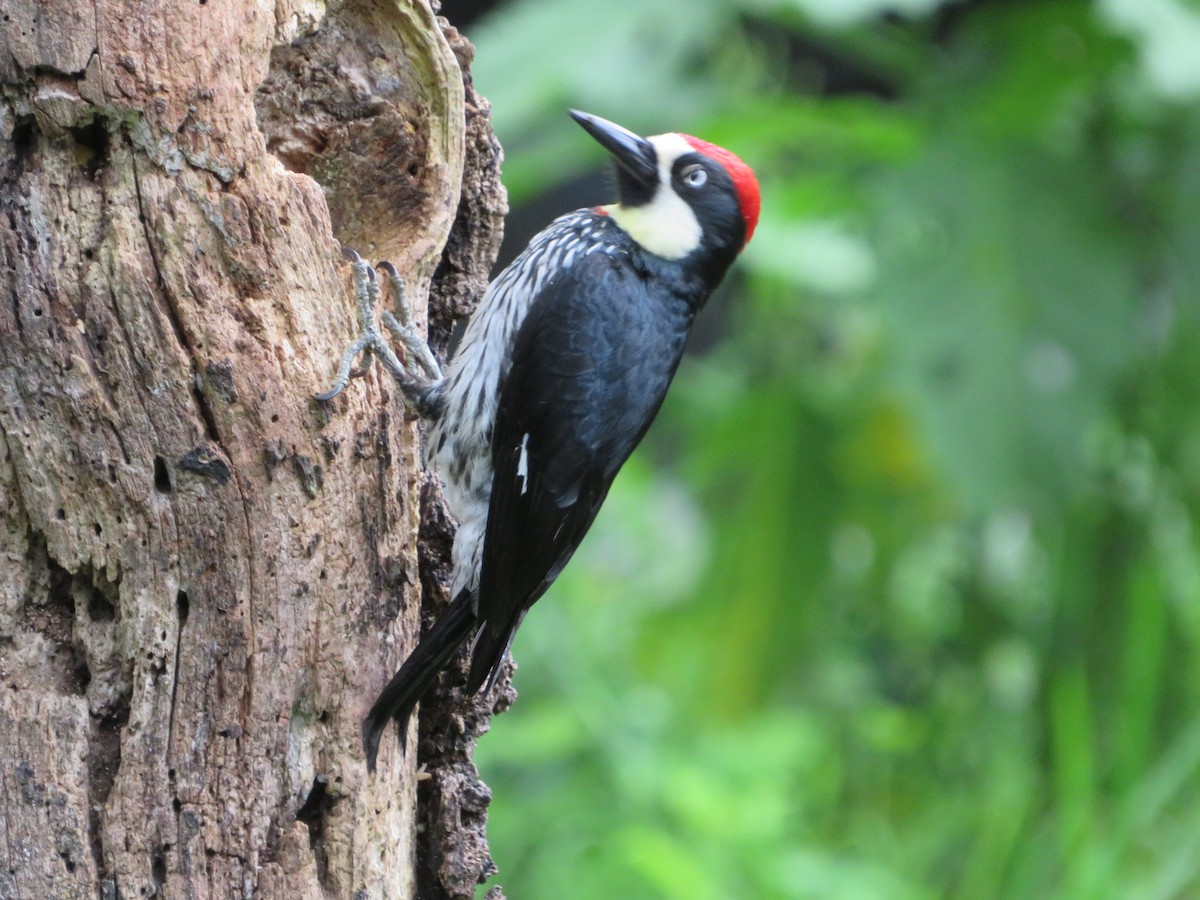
(207,575)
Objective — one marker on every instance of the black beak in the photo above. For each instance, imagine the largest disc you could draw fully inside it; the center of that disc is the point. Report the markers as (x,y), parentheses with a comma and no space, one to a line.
(635,156)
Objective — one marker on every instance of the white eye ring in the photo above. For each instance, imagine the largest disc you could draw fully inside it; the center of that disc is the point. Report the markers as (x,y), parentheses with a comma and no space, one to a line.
(695,177)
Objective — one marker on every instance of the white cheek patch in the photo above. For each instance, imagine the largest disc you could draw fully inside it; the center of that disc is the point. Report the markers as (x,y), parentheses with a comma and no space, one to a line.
(666,226)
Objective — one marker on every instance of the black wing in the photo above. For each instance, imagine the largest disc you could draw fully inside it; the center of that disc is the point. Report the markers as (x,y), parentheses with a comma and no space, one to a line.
(591,365)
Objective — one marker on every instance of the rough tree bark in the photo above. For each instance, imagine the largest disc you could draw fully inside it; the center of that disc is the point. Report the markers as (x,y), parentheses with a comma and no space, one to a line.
(206,575)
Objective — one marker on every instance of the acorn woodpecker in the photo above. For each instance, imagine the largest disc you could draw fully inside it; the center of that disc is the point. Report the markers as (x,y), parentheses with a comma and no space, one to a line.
(561,370)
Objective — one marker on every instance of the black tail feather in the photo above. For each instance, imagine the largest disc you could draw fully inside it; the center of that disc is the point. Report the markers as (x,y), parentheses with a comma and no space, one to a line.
(488,653)
(417,675)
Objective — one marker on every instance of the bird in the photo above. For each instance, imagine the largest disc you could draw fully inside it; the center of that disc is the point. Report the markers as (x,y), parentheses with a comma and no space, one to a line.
(559,374)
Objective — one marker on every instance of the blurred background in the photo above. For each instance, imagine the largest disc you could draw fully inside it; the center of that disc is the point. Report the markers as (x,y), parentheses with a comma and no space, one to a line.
(901,596)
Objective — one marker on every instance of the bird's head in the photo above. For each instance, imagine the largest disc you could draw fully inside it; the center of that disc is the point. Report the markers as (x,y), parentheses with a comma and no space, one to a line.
(678,196)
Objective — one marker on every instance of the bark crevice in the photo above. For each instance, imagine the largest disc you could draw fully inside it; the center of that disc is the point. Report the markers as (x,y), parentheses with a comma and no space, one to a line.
(103,763)
(182,608)
(313,814)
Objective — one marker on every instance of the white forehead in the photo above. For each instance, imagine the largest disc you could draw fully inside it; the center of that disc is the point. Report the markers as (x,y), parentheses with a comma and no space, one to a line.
(669,148)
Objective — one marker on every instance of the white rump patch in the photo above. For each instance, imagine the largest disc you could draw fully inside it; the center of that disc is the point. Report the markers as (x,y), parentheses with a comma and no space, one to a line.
(666,226)
(523,465)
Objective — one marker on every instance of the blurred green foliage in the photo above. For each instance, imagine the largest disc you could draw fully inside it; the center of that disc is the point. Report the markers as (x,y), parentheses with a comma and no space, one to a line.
(901,597)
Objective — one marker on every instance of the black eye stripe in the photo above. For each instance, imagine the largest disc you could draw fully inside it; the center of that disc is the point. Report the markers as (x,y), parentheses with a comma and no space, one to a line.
(686,161)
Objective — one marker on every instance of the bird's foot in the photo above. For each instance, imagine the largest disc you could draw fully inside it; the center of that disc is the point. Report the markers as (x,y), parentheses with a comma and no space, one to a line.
(419,371)
(402,328)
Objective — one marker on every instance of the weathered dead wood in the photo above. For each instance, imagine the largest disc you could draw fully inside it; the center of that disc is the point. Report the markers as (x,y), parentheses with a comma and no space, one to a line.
(205,575)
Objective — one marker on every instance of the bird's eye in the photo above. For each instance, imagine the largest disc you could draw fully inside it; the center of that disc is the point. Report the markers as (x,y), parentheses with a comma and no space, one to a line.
(695,176)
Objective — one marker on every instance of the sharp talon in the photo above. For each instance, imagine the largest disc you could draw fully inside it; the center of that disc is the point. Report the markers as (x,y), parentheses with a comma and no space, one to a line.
(359,373)
(331,393)
(351,255)
(387,267)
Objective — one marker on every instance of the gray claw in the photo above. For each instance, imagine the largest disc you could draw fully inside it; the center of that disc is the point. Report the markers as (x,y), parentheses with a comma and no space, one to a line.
(402,328)
(371,343)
